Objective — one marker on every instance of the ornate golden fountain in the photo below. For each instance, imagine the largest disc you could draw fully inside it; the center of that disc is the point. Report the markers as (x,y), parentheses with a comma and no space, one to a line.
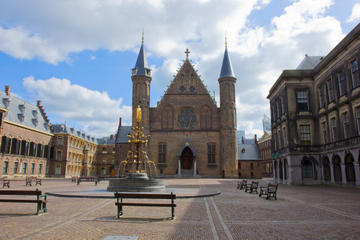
(137,173)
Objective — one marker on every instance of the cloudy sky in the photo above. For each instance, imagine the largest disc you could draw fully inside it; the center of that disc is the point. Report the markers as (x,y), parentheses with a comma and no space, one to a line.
(76,56)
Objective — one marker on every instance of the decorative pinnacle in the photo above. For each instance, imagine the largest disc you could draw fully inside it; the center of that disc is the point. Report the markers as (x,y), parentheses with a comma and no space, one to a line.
(187,52)
(225,41)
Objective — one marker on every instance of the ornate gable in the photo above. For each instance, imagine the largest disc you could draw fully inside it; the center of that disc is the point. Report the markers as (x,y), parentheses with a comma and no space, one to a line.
(187,82)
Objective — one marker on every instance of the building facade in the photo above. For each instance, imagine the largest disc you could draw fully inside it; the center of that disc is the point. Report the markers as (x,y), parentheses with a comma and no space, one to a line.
(190,135)
(25,137)
(73,152)
(249,161)
(315,118)
(265,150)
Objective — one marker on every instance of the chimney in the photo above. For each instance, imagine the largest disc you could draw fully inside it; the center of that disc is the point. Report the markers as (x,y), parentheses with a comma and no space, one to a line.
(38,103)
(255,138)
(120,122)
(242,139)
(7,90)
(111,136)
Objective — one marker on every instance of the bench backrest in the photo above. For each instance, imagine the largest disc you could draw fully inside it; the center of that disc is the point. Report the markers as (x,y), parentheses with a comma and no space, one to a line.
(272,187)
(20,192)
(145,196)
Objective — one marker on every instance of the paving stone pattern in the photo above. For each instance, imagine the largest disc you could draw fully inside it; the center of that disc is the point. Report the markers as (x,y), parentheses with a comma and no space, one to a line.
(301,212)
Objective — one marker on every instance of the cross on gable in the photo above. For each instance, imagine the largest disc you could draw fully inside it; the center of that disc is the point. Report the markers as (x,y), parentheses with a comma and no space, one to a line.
(187,52)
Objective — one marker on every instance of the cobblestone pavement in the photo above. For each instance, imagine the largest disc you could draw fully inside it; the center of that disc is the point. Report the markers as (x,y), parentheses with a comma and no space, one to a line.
(301,212)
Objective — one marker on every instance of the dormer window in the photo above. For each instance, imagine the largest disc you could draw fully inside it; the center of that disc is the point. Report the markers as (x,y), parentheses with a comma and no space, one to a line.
(21,117)
(35,121)
(35,113)
(6,102)
(22,108)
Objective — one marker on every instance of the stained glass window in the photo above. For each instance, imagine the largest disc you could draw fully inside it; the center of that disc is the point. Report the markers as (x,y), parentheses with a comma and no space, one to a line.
(187,118)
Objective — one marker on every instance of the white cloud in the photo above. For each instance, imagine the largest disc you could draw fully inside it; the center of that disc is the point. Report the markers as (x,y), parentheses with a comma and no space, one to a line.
(355,13)
(94,110)
(18,43)
(258,53)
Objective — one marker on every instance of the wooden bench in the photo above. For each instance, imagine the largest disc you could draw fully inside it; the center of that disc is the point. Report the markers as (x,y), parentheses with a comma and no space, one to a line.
(87,179)
(252,187)
(28,181)
(5,182)
(74,179)
(241,184)
(120,196)
(269,190)
(40,199)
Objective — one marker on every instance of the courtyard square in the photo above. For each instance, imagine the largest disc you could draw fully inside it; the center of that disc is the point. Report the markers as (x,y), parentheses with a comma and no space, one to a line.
(300,212)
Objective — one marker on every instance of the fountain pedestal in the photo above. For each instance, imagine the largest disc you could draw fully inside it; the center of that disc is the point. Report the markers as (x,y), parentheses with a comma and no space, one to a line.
(136,182)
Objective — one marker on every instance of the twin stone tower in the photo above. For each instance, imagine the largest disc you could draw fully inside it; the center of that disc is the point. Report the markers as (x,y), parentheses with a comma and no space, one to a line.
(190,135)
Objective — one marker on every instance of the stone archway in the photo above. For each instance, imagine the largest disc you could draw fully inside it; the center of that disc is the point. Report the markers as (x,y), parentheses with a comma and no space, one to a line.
(186,159)
(337,169)
(307,167)
(349,169)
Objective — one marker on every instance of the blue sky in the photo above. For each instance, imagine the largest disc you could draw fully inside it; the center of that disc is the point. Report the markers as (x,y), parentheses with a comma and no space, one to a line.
(77,56)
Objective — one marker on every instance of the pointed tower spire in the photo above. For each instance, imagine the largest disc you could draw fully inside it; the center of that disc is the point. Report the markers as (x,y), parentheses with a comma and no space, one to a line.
(141,68)
(226,69)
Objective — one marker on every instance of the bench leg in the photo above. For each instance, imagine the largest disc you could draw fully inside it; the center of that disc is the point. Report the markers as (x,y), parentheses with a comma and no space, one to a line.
(172,213)
(119,208)
(38,208)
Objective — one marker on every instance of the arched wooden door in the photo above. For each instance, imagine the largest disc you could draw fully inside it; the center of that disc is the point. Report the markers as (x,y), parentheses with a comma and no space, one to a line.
(187,158)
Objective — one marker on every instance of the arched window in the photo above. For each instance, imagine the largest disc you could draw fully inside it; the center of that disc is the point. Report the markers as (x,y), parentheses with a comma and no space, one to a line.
(137,90)
(205,118)
(167,118)
(13,145)
(144,90)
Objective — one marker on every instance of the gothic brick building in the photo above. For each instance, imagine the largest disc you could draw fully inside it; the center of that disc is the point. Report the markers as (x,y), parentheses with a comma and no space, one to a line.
(190,135)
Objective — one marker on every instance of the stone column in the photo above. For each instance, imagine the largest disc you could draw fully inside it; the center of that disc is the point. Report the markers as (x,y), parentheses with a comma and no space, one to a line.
(194,167)
(332,172)
(343,171)
(179,168)
(283,181)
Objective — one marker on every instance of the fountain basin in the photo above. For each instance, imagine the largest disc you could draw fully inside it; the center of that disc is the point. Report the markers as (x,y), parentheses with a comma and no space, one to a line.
(136,182)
